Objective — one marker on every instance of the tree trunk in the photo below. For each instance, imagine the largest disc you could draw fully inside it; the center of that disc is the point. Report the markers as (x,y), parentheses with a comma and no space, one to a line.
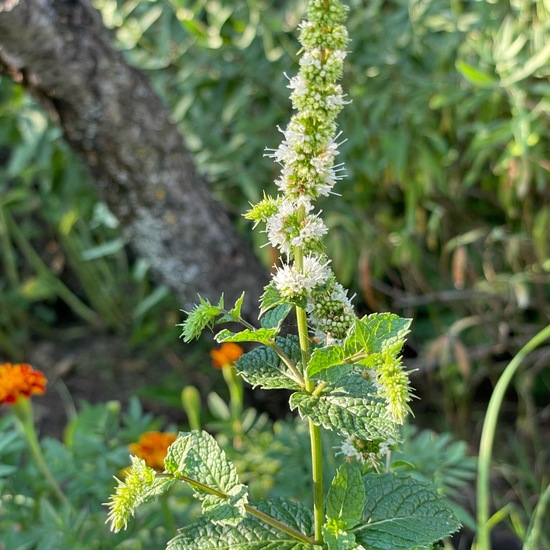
(61,52)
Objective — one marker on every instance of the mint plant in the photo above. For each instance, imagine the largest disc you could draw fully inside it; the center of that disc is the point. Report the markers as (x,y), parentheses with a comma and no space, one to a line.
(344,372)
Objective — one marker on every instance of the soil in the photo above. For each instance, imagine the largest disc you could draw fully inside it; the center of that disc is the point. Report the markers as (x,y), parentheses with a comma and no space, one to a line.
(97,368)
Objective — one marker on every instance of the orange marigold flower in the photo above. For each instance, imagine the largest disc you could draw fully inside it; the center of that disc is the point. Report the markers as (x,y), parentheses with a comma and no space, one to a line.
(153,447)
(20,380)
(227,354)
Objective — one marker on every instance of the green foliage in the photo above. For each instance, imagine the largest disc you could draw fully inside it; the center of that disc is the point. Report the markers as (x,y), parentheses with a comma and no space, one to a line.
(265,368)
(261,335)
(377,333)
(398,513)
(351,408)
(440,460)
(197,458)
(83,463)
(61,250)
(346,497)
(361,391)
(251,533)
(402,512)
(446,152)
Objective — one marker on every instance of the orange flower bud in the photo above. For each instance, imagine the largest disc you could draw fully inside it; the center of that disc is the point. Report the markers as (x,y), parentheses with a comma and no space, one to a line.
(20,380)
(227,354)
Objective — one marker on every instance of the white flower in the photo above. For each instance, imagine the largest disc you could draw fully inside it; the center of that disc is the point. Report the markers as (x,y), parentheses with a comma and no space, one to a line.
(293,283)
(313,228)
(349,451)
(277,235)
(366,452)
(298,84)
(336,101)
(278,229)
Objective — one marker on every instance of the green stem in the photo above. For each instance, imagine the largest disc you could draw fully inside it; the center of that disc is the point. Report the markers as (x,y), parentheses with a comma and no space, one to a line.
(288,362)
(25,418)
(301,320)
(488,436)
(249,508)
(314,431)
(534,535)
(236,402)
(168,515)
(317,473)
(277,524)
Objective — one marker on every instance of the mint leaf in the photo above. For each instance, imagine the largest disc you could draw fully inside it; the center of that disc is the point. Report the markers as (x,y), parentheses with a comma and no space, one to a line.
(275,317)
(227,512)
(270,298)
(236,311)
(336,538)
(336,373)
(324,358)
(262,335)
(263,367)
(377,332)
(198,456)
(352,409)
(251,533)
(346,496)
(402,513)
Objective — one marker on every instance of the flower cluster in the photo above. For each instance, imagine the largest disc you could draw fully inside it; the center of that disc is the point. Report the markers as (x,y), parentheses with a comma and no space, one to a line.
(308,170)
(366,452)
(330,311)
(20,380)
(152,447)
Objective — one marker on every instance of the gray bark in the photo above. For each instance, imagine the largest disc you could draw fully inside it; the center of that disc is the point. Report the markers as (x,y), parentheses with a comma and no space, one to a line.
(61,52)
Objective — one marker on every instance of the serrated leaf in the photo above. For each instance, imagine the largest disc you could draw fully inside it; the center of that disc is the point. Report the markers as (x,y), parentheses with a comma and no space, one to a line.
(251,533)
(346,496)
(274,317)
(198,456)
(235,313)
(402,513)
(336,538)
(159,486)
(336,373)
(262,335)
(377,332)
(263,367)
(324,358)
(270,298)
(226,512)
(352,409)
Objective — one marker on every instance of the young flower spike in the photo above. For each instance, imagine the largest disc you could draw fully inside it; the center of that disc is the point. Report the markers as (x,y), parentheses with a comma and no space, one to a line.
(129,494)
